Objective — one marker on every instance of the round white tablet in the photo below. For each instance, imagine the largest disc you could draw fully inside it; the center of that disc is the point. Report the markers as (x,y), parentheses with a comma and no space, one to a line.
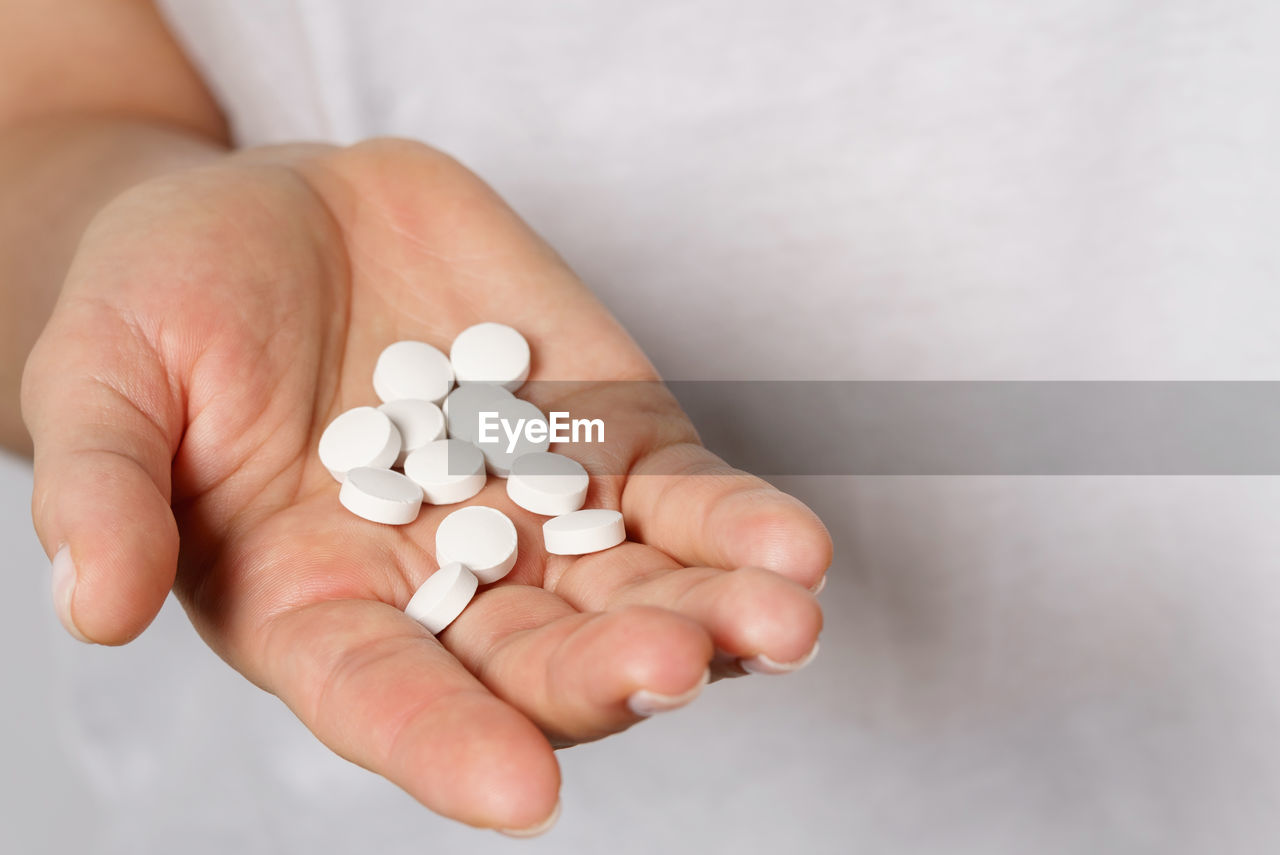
(583,531)
(442,597)
(501,425)
(534,436)
(381,496)
(412,369)
(547,483)
(359,437)
(481,538)
(490,353)
(464,404)
(420,423)
(447,470)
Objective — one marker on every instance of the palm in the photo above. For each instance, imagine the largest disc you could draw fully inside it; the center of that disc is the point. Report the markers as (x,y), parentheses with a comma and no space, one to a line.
(284,278)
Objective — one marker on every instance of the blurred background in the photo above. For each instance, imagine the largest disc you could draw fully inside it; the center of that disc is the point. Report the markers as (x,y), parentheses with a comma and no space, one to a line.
(1085,698)
(825,191)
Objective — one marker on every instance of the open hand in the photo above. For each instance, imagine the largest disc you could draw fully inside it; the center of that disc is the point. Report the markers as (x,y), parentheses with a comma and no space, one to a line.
(214,321)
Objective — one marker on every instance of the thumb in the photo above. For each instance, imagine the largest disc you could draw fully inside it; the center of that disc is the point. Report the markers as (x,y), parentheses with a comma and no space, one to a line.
(105,423)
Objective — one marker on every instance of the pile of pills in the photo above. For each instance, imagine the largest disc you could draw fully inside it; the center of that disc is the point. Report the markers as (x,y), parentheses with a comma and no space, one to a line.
(430,426)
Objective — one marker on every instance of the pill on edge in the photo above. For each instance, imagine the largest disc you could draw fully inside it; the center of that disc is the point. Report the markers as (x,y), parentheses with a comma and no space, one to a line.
(581,532)
(440,599)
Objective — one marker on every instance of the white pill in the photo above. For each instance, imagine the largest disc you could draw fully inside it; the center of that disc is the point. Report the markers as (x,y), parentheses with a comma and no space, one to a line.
(547,483)
(447,470)
(583,531)
(490,353)
(359,437)
(442,597)
(481,538)
(464,403)
(381,496)
(412,369)
(533,434)
(501,425)
(420,423)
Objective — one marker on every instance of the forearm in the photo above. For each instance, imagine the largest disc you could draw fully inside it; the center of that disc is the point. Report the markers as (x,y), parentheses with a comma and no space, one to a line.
(56,174)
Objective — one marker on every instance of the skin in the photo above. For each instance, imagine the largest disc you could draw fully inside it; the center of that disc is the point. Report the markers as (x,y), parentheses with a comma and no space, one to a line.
(220,309)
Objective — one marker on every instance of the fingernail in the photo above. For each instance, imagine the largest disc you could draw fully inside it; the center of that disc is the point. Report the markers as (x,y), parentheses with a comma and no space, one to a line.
(646,703)
(822,583)
(762,664)
(64,586)
(534,830)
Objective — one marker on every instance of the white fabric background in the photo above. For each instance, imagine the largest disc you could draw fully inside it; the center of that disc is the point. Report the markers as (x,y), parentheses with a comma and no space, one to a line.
(879,190)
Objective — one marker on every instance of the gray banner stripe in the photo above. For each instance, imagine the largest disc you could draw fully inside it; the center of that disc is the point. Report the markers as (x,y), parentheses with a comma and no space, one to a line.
(990,428)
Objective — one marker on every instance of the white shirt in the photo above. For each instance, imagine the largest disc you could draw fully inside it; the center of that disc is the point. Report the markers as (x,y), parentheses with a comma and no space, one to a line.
(835,190)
